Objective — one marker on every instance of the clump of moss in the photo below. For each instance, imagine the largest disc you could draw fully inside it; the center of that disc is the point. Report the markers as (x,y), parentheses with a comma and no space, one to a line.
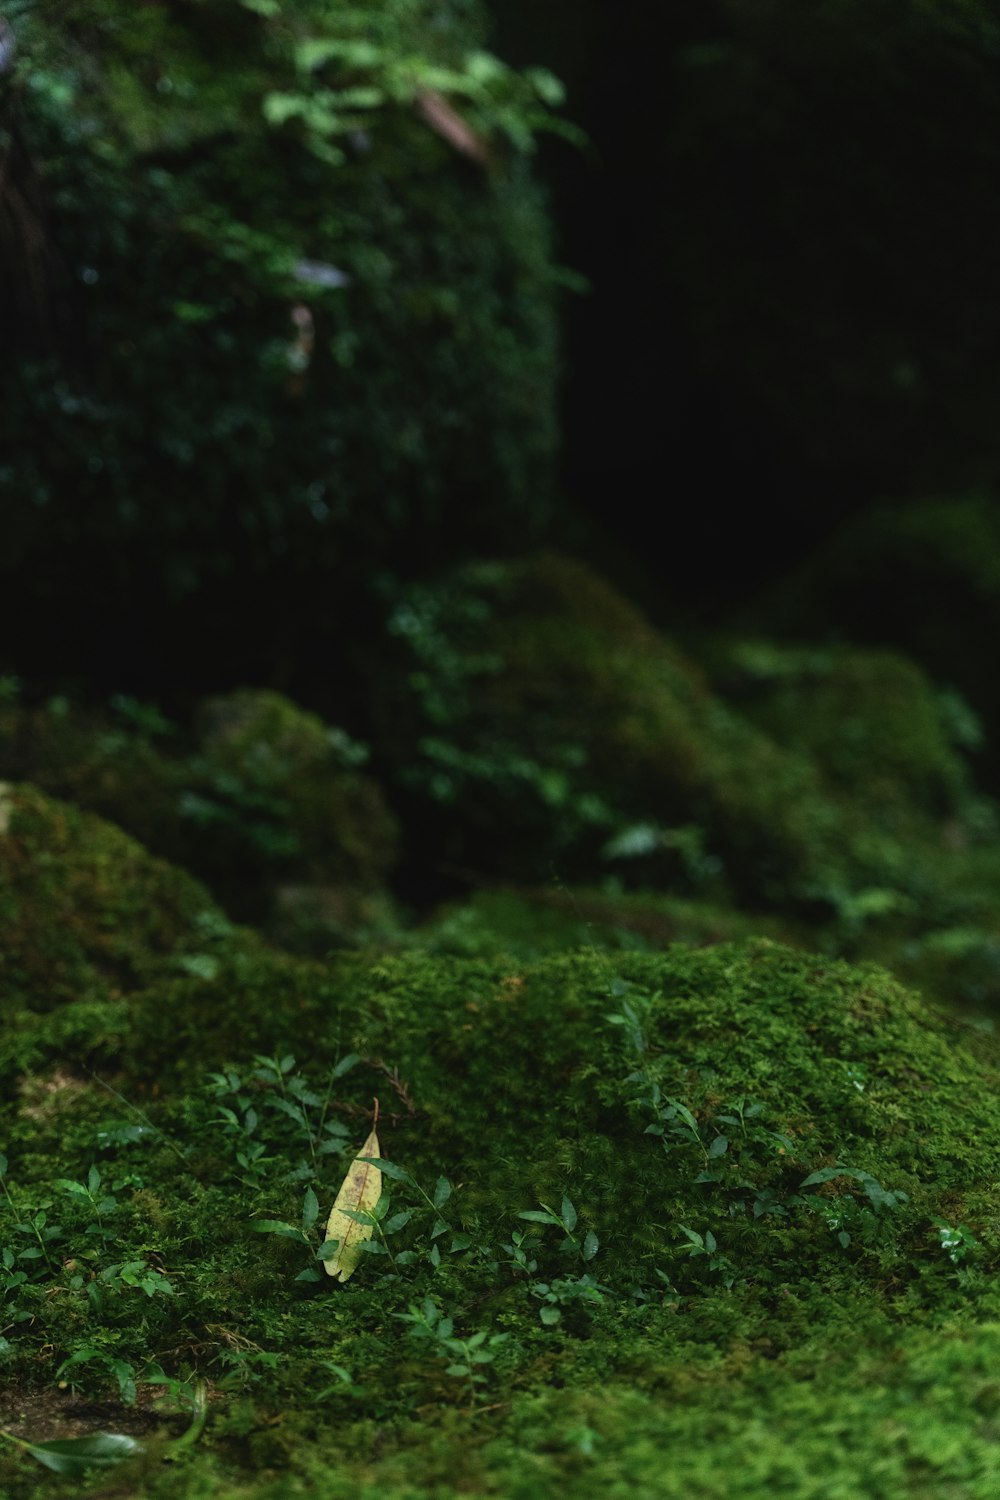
(749,1150)
(931,566)
(263,801)
(545,721)
(86,911)
(871,720)
(333,820)
(530,923)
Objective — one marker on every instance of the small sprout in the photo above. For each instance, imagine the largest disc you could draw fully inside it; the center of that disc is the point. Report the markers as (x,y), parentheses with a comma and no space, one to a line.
(956,1241)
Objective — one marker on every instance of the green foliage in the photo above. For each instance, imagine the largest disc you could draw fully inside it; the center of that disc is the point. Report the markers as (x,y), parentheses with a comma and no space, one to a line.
(261,799)
(834,1169)
(929,565)
(346,326)
(76,1456)
(546,723)
(467,1357)
(871,720)
(530,922)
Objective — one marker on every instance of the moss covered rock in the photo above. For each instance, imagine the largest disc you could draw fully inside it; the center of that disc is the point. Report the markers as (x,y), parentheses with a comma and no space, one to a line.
(924,576)
(263,801)
(373,315)
(871,720)
(530,923)
(546,722)
(334,820)
(87,913)
(675,1184)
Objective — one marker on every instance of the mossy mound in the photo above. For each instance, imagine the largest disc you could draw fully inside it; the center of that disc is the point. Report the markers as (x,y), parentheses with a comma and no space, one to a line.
(86,912)
(749,1154)
(872,721)
(924,576)
(530,923)
(547,724)
(263,800)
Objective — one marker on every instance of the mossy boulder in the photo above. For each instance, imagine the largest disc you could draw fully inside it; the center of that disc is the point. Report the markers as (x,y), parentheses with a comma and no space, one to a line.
(334,820)
(86,911)
(872,721)
(749,1154)
(262,800)
(374,316)
(546,723)
(923,577)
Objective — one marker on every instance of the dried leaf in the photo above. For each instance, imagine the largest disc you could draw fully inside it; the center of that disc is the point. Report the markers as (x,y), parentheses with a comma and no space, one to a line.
(359,1194)
(6,806)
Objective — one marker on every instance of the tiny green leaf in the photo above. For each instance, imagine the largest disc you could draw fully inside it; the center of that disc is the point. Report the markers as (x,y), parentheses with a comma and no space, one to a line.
(387,1168)
(276,1226)
(76,1455)
(442,1192)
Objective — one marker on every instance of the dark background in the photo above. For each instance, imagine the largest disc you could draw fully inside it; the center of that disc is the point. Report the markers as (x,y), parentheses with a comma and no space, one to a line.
(787,219)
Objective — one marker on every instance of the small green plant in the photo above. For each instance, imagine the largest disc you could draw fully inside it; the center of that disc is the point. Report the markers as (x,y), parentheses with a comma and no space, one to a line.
(466,1357)
(243,1365)
(561,1291)
(384,1225)
(705,1245)
(566,1220)
(566,1291)
(273,1111)
(633,1016)
(956,1241)
(428,1207)
(342,1384)
(844,1215)
(93,1200)
(93,1356)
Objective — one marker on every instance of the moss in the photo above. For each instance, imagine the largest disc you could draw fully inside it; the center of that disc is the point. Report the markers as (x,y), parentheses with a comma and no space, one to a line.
(87,913)
(263,796)
(529,923)
(547,722)
(929,566)
(335,819)
(871,720)
(218,1071)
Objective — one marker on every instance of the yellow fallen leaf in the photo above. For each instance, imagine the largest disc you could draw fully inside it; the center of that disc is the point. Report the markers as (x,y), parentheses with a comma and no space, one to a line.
(359,1192)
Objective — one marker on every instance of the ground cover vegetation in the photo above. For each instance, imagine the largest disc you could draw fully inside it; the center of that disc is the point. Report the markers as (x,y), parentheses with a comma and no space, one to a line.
(689,1213)
(462,1033)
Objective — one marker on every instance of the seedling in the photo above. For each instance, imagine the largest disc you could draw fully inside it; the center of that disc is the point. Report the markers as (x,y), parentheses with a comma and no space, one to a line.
(120,1370)
(566,1220)
(466,1356)
(846,1213)
(706,1245)
(274,1107)
(633,1016)
(956,1241)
